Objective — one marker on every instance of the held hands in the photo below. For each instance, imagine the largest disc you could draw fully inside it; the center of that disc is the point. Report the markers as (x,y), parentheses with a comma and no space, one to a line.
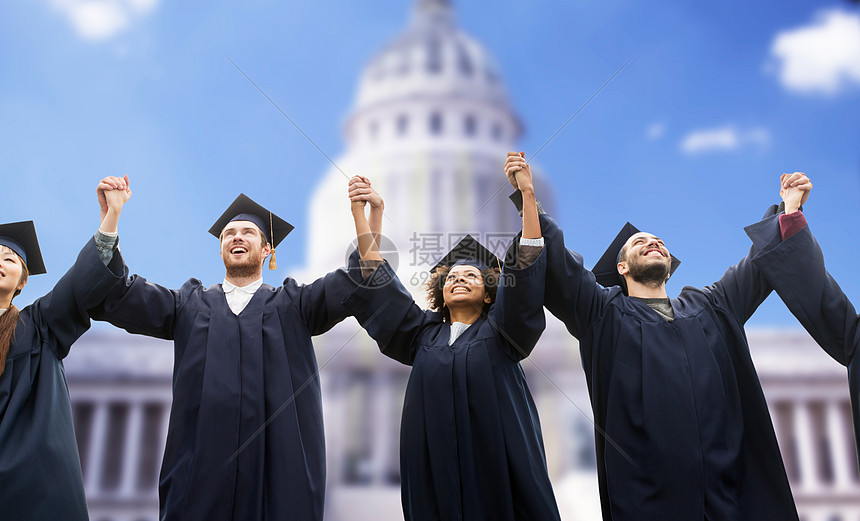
(113,192)
(367,233)
(520,176)
(361,193)
(518,171)
(794,190)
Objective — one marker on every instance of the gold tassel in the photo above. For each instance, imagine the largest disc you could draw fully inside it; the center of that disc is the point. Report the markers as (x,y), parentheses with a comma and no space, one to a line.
(273,264)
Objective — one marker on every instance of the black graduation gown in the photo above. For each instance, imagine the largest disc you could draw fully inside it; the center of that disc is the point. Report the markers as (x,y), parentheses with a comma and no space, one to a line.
(40,470)
(682,430)
(795,268)
(245,440)
(470,441)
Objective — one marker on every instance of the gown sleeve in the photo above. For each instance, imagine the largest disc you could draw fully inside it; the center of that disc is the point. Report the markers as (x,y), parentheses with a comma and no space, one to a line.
(743,287)
(142,308)
(795,267)
(571,292)
(388,313)
(517,314)
(320,303)
(64,313)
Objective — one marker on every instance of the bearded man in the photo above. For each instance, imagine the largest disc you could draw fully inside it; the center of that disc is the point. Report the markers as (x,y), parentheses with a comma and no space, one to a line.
(245,440)
(682,429)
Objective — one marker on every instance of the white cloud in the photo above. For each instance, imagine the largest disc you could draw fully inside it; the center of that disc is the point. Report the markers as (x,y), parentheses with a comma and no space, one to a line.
(101,19)
(822,57)
(758,136)
(726,138)
(142,6)
(656,130)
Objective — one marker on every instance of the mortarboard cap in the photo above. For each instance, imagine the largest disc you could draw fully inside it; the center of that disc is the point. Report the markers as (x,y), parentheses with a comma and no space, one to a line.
(245,209)
(469,252)
(21,238)
(606,269)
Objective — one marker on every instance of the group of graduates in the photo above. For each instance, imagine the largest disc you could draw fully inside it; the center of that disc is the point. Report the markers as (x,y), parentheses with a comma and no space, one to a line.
(682,429)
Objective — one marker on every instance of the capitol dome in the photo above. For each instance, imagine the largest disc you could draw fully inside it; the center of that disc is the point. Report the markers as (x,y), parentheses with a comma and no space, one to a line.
(432,59)
(430,126)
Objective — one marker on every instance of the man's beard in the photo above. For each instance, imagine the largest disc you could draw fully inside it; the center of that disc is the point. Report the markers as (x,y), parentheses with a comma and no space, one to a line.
(246,268)
(649,273)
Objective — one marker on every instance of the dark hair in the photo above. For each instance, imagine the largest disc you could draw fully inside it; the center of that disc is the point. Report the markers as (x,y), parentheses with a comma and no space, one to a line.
(8,324)
(436,296)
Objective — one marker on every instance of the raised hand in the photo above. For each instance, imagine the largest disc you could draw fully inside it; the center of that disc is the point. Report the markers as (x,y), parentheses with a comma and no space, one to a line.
(367,233)
(356,196)
(113,192)
(360,192)
(794,190)
(519,172)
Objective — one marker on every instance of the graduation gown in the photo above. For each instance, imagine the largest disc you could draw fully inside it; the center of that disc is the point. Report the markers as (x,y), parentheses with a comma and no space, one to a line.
(682,430)
(40,470)
(245,440)
(795,268)
(470,441)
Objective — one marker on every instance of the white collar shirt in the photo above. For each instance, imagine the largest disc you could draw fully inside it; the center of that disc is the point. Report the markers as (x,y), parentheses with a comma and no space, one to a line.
(457,329)
(238,298)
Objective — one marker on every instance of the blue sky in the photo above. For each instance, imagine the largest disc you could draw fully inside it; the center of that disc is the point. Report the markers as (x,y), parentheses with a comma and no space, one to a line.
(688,141)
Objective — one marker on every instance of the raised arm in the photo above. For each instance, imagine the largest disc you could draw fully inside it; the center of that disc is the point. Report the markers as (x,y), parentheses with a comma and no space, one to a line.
(133,304)
(377,208)
(518,310)
(389,314)
(571,292)
(380,303)
(64,313)
(519,174)
(321,303)
(796,269)
(367,232)
(744,287)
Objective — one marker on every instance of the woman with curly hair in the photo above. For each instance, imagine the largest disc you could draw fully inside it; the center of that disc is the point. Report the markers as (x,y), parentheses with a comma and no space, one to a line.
(40,470)
(470,440)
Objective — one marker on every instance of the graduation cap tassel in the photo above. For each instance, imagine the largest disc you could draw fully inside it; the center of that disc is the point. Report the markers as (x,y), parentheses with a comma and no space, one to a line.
(273,263)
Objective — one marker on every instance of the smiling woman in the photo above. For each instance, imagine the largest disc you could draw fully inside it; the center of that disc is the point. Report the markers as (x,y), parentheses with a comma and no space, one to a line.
(39,464)
(446,284)
(461,291)
(13,278)
(471,444)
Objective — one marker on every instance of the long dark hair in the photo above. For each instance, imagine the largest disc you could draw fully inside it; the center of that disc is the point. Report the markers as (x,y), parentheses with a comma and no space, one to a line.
(9,323)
